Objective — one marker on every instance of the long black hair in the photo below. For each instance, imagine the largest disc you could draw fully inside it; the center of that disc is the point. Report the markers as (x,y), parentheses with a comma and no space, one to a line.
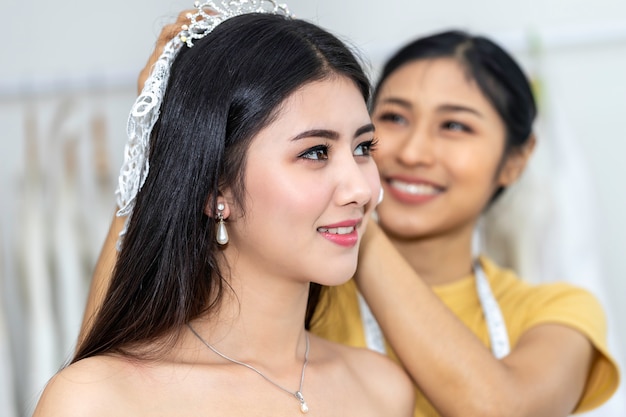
(497,74)
(221,92)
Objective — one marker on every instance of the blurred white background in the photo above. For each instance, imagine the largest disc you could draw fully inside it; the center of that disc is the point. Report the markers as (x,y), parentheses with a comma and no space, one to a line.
(67,81)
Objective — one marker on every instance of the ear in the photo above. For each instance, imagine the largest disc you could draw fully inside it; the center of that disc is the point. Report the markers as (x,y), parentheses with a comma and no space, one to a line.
(211,211)
(515,163)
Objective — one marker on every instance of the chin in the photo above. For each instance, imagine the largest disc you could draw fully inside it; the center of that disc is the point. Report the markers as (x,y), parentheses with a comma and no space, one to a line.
(407,231)
(335,276)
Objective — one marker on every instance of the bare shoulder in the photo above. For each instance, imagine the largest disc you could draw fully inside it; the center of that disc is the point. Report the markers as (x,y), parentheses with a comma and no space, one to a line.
(88,387)
(382,379)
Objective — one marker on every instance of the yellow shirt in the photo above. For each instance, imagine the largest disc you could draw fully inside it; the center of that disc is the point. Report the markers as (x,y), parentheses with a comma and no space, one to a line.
(523,306)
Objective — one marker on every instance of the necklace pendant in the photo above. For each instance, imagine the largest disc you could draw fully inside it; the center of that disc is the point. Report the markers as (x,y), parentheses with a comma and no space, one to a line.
(304,408)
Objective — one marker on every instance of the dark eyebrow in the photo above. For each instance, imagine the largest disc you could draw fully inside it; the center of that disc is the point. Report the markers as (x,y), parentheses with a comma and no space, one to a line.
(331,134)
(458,108)
(317,133)
(368,128)
(400,102)
(441,109)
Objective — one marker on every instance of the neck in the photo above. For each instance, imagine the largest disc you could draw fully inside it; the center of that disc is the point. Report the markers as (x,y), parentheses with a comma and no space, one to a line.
(439,259)
(260,320)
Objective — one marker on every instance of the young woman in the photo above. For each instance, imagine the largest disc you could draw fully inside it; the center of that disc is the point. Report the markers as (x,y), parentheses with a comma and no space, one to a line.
(454,114)
(258,183)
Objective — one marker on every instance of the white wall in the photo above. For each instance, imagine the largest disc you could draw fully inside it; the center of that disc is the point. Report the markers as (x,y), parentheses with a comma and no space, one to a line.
(55,46)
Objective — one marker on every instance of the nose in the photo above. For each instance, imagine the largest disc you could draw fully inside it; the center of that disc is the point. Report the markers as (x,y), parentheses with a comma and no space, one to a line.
(417,148)
(353,186)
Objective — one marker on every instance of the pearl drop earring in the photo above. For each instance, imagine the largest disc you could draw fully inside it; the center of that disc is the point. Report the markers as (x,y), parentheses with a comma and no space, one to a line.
(221,234)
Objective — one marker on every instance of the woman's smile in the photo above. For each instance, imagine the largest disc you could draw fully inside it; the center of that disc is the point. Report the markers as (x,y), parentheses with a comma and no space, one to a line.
(345,233)
(410,190)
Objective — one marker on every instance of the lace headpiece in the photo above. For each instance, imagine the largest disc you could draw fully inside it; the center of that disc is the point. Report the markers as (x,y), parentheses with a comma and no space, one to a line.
(146,109)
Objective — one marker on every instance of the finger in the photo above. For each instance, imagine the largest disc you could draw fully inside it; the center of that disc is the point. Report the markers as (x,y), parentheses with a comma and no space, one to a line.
(168,32)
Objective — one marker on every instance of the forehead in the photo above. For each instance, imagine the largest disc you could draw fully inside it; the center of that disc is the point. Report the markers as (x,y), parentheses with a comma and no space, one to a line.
(433,82)
(329,90)
(333,103)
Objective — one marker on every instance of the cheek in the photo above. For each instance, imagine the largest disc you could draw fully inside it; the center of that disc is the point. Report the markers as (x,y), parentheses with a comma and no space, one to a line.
(285,195)
(474,166)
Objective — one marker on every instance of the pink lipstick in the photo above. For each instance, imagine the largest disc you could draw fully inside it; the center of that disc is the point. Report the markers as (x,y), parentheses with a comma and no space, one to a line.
(343,233)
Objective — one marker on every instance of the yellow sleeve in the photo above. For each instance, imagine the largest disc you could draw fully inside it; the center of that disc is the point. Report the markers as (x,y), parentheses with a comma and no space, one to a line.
(338,318)
(579,309)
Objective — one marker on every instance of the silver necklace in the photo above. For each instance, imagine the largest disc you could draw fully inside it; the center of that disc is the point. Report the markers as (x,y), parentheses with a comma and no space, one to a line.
(304,408)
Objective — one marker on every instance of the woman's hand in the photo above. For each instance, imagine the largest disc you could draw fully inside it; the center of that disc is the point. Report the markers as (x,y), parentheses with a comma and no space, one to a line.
(167,33)
(543,376)
(368,250)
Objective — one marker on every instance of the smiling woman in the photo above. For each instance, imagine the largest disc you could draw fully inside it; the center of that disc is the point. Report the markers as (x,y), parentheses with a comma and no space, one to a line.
(442,124)
(454,114)
(255,183)
(315,160)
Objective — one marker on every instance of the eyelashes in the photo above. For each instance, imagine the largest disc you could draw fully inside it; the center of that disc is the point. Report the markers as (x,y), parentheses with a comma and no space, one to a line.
(322,152)
(396,120)
(391,117)
(457,127)
(316,153)
(366,148)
